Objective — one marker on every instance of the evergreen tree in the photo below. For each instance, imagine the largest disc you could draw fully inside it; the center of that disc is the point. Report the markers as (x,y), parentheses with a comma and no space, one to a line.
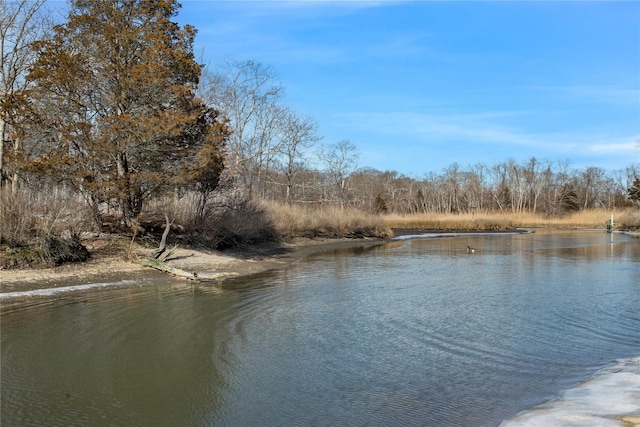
(114,88)
(569,199)
(633,192)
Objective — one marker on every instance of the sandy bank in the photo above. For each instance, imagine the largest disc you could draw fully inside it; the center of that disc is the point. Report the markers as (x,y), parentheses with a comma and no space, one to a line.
(109,264)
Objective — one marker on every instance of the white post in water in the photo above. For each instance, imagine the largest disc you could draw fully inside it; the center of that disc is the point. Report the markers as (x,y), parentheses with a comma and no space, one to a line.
(610,224)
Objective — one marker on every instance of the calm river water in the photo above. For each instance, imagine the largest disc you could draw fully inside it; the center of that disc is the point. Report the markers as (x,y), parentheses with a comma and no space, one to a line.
(413,333)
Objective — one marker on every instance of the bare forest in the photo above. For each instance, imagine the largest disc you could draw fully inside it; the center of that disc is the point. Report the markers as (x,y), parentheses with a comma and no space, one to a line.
(110,126)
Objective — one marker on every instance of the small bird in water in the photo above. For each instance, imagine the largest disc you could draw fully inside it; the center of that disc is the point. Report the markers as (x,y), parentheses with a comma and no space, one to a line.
(470,250)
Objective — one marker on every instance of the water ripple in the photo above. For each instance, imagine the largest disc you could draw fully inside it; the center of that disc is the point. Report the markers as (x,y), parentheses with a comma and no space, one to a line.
(419,333)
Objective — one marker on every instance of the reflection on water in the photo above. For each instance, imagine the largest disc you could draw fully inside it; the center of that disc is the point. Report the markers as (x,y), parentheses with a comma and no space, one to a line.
(417,332)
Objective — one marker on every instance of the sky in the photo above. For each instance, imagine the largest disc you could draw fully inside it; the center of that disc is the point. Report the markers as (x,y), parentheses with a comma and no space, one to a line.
(419,85)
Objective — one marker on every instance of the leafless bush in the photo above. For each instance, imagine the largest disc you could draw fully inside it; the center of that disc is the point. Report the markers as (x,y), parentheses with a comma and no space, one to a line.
(17,219)
(55,250)
(241,221)
(229,219)
(46,223)
(629,220)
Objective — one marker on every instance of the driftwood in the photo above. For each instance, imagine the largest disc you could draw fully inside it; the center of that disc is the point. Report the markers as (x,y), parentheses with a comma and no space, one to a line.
(157,259)
(163,243)
(177,272)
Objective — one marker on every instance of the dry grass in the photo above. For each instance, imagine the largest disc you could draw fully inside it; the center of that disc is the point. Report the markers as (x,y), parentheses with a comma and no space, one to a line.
(628,220)
(229,220)
(324,221)
(495,221)
(41,228)
(485,222)
(27,215)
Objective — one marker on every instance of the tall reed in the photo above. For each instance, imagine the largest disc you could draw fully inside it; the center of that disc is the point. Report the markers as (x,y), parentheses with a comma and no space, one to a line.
(315,220)
(593,218)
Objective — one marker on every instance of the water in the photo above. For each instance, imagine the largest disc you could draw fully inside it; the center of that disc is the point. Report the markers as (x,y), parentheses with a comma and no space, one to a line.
(413,333)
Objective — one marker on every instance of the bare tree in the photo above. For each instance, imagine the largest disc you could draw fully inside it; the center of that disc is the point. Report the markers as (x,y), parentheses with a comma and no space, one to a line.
(21,24)
(533,175)
(340,160)
(246,92)
(452,187)
(478,185)
(517,186)
(297,134)
(264,146)
(591,182)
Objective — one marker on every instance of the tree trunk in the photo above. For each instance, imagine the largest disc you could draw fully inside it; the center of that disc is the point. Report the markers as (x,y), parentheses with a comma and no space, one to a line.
(16,177)
(288,195)
(163,243)
(3,126)
(177,272)
(125,196)
(289,174)
(94,204)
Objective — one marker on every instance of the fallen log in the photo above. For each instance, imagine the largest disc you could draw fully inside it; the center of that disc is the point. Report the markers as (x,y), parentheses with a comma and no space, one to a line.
(154,260)
(177,272)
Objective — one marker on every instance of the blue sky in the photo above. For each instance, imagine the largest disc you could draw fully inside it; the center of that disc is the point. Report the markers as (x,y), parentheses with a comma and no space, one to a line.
(417,86)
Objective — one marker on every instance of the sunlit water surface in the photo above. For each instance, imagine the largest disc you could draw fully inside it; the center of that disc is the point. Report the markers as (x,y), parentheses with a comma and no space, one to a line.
(413,333)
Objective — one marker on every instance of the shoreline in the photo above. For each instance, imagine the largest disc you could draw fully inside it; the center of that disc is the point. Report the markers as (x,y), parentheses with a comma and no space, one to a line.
(108,261)
(108,264)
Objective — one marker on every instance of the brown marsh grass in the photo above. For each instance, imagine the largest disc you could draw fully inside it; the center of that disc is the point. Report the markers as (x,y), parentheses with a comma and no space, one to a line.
(324,221)
(497,221)
(331,221)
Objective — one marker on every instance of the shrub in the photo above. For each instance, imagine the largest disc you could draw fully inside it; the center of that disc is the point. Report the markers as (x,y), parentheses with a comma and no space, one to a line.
(17,218)
(41,227)
(229,219)
(629,220)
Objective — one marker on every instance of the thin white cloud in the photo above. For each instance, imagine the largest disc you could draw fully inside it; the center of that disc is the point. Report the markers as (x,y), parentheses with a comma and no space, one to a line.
(281,48)
(486,129)
(624,146)
(601,94)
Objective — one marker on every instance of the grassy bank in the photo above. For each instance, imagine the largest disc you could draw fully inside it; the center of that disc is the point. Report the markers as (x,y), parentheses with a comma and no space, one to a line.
(325,221)
(500,221)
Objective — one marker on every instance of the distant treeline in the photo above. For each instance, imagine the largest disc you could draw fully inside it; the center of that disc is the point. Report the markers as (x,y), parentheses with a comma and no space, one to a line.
(534,186)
